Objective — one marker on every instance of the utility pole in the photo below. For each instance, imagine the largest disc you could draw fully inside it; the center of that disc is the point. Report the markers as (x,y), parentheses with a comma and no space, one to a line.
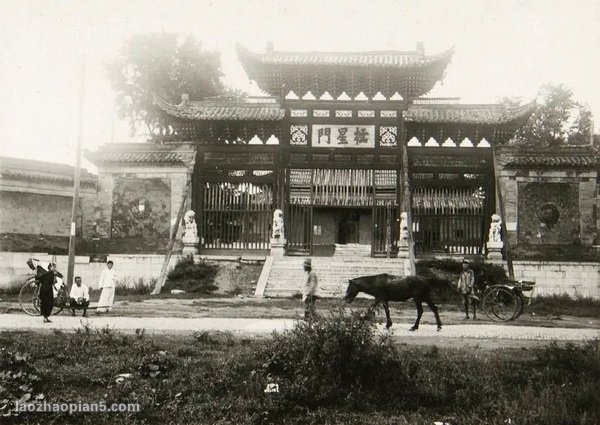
(72,234)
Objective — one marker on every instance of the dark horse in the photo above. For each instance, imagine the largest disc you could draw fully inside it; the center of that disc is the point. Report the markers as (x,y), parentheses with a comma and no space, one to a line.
(385,287)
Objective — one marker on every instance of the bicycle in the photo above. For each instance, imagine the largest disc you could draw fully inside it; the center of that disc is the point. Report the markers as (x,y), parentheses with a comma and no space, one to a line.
(29,295)
(505,302)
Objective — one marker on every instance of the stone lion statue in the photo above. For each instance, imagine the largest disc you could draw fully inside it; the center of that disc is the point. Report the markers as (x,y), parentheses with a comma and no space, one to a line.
(495,234)
(403,228)
(191,229)
(278,224)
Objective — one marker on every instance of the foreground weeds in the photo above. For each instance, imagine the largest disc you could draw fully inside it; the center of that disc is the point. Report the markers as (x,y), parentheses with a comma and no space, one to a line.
(333,371)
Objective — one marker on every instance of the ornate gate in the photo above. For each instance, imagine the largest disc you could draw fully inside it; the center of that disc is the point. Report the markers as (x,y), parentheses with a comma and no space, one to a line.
(299,228)
(237,215)
(384,223)
(449,220)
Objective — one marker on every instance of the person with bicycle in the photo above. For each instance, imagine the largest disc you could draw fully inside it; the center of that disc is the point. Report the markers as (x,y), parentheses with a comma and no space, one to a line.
(47,281)
(79,297)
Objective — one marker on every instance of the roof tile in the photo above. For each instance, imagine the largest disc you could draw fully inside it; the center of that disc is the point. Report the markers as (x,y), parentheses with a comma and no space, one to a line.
(466,114)
(223,110)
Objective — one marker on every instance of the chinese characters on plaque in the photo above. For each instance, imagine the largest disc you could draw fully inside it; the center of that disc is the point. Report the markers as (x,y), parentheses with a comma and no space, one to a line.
(340,136)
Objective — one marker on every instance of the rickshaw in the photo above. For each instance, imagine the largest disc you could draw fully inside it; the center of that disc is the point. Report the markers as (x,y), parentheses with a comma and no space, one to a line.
(504,302)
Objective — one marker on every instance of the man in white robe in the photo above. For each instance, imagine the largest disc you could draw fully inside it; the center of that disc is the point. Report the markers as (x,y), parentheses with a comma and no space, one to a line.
(107,283)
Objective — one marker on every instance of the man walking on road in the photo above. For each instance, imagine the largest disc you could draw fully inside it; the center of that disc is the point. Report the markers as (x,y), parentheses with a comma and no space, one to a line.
(107,286)
(310,289)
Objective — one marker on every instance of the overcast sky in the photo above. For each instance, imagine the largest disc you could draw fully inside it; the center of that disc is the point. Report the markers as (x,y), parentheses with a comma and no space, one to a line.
(503,48)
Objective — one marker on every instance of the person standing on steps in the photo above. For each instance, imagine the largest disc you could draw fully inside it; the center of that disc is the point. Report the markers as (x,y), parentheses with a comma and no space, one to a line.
(310,289)
(466,283)
(108,281)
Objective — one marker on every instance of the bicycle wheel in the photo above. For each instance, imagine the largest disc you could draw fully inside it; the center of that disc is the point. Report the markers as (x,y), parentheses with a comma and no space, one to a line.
(520,306)
(500,304)
(29,297)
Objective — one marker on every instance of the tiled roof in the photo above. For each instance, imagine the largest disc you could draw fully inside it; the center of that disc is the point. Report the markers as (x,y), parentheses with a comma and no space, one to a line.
(42,171)
(550,161)
(466,114)
(387,59)
(141,153)
(222,110)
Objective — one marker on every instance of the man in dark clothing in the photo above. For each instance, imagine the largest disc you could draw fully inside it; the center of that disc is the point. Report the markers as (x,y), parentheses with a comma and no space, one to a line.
(47,291)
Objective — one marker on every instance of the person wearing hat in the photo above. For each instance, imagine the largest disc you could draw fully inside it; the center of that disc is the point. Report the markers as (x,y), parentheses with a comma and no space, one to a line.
(310,289)
(466,282)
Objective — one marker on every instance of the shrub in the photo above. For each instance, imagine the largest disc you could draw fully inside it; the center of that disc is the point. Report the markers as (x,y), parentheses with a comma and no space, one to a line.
(191,276)
(485,274)
(332,360)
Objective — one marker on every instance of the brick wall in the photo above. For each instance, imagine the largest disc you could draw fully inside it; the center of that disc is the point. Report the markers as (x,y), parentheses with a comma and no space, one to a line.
(33,213)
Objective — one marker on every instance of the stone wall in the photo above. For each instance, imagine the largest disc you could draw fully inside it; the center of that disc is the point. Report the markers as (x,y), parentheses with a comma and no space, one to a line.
(129,268)
(46,214)
(557,278)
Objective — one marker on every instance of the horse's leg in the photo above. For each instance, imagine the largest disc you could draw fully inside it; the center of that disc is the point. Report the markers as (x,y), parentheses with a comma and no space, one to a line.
(371,310)
(388,323)
(418,303)
(435,311)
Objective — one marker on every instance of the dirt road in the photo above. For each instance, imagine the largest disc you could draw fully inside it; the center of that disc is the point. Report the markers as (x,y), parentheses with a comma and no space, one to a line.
(264,327)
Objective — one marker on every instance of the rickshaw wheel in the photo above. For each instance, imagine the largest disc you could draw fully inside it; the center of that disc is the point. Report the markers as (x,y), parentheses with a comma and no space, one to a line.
(500,304)
(29,297)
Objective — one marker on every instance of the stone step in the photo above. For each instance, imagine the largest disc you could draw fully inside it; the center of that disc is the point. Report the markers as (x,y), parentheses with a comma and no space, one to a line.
(287,278)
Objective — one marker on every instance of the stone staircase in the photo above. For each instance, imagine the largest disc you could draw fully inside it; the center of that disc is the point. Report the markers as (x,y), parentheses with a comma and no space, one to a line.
(352,250)
(285,276)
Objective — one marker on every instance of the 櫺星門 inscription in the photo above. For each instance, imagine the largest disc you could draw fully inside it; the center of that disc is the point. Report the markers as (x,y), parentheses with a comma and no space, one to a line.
(343,136)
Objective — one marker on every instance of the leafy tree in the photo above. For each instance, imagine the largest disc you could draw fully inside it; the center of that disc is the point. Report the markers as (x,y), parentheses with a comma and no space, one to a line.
(557,120)
(163,64)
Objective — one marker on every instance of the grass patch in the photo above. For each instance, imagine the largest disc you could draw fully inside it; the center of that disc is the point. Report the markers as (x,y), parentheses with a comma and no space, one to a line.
(564,305)
(13,287)
(132,286)
(335,371)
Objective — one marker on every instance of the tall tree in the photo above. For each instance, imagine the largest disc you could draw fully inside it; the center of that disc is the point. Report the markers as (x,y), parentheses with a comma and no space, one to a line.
(558,120)
(163,64)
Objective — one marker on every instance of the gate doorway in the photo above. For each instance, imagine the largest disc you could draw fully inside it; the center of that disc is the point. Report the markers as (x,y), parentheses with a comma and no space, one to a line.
(348,227)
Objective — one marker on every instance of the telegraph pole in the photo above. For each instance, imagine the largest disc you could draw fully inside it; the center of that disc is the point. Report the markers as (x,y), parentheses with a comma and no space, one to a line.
(72,234)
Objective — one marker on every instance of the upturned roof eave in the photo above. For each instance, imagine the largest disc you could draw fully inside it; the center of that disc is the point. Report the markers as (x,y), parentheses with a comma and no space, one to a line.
(502,116)
(249,58)
(210,111)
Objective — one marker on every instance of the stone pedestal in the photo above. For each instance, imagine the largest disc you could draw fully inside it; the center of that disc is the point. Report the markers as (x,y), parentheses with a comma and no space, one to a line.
(278,247)
(495,250)
(190,245)
(402,250)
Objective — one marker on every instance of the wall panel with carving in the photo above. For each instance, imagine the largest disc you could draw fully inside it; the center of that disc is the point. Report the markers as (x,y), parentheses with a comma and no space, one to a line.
(548,213)
(141,208)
